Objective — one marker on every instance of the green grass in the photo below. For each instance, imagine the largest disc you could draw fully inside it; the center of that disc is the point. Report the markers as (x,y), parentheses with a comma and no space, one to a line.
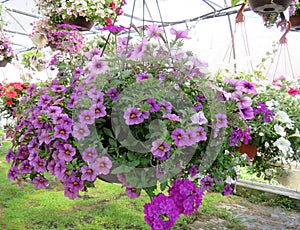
(104,207)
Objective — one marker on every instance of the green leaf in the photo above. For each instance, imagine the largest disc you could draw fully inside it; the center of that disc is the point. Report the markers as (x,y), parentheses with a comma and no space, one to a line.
(108,132)
(234,2)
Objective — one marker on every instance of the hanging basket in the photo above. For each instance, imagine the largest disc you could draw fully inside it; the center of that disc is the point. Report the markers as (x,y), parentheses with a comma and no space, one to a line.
(250,150)
(81,22)
(269,6)
(3,63)
(295,21)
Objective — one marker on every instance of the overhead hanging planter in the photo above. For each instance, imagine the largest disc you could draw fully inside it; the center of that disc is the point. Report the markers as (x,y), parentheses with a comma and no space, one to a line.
(83,14)
(269,6)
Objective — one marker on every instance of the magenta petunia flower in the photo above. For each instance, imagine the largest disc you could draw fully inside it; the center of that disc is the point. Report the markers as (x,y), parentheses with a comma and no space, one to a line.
(221,120)
(67,153)
(102,165)
(40,182)
(89,155)
(86,117)
(80,131)
(193,171)
(178,135)
(159,150)
(133,116)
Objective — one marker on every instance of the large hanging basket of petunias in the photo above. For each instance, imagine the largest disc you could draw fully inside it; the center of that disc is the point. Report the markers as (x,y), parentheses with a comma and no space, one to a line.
(146,115)
(83,14)
(269,6)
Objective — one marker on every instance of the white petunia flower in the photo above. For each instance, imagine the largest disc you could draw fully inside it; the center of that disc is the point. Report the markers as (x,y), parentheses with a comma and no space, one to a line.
(199,118)
(283,145)
(279,130)
(283,117)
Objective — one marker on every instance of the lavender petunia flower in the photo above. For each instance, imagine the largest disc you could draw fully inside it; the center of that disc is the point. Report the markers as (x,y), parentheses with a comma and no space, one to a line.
(97,65)
(102,165)
(180,34)
(89,155)
(247,112)
(86,117)
(200,133)
(44,101)
(199,118)
(60,169)
(190,137)
(154,31)
(172,117)
(221,120)
(80,131)
(62,131)
(166,106)
(100,110)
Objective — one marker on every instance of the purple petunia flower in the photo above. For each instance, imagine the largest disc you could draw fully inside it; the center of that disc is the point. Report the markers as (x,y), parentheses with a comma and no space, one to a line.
(159,150)
(67,152)
(80,131)
(9,156)
(227,189)
(133,116)
(142,76)
(247,113)
(39,164)
(78,93)
(70,193)
(132,192)
(13,173)
(139,50)
(89,155)
(245,86)
(88,173)
(74,183)
(25,167)
(40,182)
(221,120)
(166,106)
(154,107)
(54,110)
(244,102)
(44,100)
(62,131)
(60,169)
(172,117)
(86,117)
(178,135)
(100,110)
(193,171)
(93,52)
(113,93)
(102,165)
(58,88)
(77,72)
(206,183)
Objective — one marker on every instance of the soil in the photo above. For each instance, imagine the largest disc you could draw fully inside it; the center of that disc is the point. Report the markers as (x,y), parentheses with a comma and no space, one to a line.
(251,216)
